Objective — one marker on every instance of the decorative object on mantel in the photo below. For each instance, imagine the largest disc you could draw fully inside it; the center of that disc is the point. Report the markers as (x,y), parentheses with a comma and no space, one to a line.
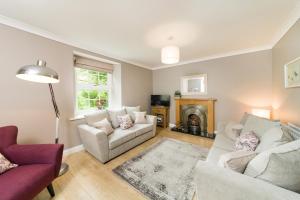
(165,170)
(195,116)
(292,73)
(177,94)
(39,73)
(194,85)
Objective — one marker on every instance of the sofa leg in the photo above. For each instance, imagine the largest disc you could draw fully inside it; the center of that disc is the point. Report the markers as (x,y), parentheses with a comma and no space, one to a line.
(51,190)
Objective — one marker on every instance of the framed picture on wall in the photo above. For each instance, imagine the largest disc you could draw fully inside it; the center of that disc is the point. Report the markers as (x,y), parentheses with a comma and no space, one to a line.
(292,73)
(194,85)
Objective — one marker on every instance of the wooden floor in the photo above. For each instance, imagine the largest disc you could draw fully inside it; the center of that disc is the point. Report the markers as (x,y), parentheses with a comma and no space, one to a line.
(88,179)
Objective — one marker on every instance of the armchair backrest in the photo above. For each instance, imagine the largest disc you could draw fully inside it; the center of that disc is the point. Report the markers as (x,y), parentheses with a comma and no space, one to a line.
(8,136)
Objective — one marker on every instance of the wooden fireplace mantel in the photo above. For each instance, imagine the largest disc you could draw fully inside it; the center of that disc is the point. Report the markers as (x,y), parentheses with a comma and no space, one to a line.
(209,102)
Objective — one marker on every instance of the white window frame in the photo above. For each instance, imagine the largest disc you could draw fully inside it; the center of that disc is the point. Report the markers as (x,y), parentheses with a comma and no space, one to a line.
(81,86)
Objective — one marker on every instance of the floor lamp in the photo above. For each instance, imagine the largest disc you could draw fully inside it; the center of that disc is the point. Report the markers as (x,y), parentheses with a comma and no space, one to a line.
(41,74)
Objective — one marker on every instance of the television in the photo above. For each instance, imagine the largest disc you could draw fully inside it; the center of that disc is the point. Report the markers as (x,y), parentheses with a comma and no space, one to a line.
(160,100)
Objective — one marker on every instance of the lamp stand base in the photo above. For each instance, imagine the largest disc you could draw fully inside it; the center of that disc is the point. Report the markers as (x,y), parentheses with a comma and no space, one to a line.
(63,169)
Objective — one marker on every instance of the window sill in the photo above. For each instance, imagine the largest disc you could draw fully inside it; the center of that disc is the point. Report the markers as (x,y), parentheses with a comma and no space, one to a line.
(78,117)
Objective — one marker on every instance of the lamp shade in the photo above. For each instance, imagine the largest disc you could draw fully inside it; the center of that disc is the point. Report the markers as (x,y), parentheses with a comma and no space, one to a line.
(170,55)
(38,73)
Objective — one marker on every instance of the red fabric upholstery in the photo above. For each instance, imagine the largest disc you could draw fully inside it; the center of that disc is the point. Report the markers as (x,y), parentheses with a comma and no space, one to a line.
(38,166)
(25,182)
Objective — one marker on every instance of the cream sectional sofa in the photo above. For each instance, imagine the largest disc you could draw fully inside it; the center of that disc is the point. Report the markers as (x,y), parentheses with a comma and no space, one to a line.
(104,147)
(217,183)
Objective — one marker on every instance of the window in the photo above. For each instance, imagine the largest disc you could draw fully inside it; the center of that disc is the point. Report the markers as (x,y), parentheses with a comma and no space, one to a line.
(92,89)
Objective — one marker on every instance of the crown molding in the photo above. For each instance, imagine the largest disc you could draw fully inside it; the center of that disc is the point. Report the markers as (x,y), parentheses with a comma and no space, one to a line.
(46,34)
(216,56)
(292,19)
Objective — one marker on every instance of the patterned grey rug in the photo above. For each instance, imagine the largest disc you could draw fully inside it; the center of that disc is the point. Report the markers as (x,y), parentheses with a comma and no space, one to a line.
(164,171)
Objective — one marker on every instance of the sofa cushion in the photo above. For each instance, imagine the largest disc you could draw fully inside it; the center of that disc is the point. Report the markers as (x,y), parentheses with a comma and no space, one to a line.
(270,139)
(140,129)
(5,164)
(140,118)
(113,115)
(258,165)
(247,141)
(25,182)
(258,125)
(131,110)
(215,153)
(120,136)
(283,170)
(96,117)
(236,160)
(223,142)
(104,125)
(125,121)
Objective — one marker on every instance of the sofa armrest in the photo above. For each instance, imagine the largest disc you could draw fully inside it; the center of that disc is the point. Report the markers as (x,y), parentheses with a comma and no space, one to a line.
(151,119)
(94,141)
(36,154)
(213,182)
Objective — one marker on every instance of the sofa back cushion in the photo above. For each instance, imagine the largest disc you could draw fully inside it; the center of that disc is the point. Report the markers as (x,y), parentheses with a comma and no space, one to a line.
(130,111)
(113,115)
(270,139)
(96,117)
(258,125)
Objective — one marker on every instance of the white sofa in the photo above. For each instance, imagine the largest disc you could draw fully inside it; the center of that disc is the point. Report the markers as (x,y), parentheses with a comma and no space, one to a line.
(217,183)
(104,147)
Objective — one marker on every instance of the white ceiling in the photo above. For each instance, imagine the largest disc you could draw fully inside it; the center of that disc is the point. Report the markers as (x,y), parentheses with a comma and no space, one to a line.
(135,30)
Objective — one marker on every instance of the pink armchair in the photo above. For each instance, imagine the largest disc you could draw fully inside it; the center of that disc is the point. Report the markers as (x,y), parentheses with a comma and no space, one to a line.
(38,166)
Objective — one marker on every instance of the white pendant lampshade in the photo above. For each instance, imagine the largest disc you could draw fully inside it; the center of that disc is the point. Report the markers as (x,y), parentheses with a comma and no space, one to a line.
(38,73)
(170,55)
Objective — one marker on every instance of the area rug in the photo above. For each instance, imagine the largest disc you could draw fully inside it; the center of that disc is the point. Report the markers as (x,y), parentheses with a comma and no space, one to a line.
(164,171)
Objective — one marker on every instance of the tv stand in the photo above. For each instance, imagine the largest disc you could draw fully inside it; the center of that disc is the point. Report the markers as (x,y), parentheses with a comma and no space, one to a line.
(162,113)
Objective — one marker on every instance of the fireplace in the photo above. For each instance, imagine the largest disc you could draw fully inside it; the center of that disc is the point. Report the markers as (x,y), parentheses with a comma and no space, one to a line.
(195,116)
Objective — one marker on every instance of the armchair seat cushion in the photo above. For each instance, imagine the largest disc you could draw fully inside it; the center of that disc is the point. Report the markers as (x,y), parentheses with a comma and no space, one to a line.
(25,181)
(120,136)
(141,129)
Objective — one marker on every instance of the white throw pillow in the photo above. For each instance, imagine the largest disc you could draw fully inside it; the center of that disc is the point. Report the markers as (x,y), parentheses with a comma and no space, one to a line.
(104,125)
(236,160)
(140,118)
(130,111)
(258,165)
(113,115)
(233,130)
(5,164)
(95,116)
(270,139)
(125,121)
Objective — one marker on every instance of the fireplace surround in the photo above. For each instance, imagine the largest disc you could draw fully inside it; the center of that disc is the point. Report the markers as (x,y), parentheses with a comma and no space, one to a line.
(195,116)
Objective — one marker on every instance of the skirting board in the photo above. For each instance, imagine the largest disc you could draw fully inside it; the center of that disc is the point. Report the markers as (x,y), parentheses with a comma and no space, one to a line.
(72,150)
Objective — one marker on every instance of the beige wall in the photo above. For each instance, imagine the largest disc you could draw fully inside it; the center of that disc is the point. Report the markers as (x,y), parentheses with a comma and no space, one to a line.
(28,105)
(286,102)
(237,82)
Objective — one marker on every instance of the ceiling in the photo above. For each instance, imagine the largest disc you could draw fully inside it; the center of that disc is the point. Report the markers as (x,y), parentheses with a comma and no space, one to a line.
(135,30)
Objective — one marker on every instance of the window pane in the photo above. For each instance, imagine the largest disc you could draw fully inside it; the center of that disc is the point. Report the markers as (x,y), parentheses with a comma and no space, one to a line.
(92,89)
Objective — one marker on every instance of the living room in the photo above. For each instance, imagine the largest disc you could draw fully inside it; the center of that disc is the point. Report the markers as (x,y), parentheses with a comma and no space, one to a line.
(150,100)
